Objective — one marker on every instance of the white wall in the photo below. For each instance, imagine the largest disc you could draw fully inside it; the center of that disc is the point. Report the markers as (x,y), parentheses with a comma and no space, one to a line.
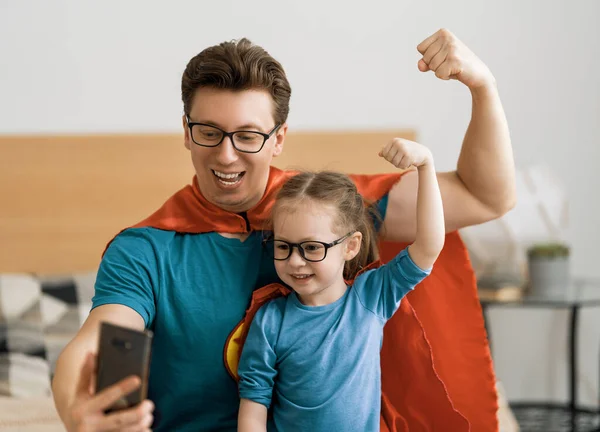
(115,66)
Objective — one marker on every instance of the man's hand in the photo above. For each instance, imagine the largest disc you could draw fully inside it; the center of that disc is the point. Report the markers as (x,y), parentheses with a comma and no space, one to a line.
(403,153)
(86,413)
(449,58)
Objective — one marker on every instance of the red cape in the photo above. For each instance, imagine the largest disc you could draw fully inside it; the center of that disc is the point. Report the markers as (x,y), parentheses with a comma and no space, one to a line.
(437,370)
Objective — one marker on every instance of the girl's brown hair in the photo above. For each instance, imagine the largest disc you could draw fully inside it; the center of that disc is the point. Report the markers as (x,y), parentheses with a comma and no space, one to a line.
(338,190)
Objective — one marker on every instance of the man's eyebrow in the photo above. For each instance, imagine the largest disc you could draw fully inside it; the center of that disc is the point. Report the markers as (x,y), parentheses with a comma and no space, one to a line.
(246,126)
(207,122)
(250,126)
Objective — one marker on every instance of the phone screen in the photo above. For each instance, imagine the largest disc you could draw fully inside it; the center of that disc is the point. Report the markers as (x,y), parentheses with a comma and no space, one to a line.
(123,352)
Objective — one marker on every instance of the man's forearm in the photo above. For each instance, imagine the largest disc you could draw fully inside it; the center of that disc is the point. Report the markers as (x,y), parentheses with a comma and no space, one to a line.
(486,165)
(65,378)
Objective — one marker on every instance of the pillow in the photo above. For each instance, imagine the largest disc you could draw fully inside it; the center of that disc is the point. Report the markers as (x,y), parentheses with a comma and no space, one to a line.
(38,317)
(66,303)
(24,371)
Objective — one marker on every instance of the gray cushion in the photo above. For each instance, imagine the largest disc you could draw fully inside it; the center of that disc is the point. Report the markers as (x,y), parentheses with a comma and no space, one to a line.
(38,317)
(24,370)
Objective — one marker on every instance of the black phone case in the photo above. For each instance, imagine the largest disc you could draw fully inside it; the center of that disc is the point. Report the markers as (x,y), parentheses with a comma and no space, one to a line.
(123,352)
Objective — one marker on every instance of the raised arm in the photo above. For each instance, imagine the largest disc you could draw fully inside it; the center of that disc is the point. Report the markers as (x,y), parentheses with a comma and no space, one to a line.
(482,187)
(430,231)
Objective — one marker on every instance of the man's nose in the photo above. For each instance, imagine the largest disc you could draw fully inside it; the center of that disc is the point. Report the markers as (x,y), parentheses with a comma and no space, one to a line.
(226,152)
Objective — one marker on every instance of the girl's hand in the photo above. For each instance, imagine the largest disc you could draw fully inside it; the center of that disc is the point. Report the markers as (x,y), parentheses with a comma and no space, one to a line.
(403,153)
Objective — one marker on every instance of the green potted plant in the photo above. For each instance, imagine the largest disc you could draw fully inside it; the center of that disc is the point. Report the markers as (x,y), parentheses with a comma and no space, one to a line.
(549,269)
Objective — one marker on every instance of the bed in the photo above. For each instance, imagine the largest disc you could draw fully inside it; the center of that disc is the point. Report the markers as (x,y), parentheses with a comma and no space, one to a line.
(62,198)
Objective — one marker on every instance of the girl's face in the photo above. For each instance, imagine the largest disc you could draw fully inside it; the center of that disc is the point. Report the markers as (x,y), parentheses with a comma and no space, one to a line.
(316,283)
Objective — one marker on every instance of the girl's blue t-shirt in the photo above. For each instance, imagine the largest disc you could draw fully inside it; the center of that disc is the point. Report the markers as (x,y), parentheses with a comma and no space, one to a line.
(318,367)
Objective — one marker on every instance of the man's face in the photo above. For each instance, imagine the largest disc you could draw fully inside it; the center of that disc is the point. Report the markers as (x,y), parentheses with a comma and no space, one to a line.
(230,179)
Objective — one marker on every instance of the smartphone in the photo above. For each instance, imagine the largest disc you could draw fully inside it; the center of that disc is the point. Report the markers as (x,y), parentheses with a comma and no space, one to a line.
(123,352)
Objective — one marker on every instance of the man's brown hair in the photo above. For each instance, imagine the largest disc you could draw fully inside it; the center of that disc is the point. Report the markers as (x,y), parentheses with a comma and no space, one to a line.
(237,65)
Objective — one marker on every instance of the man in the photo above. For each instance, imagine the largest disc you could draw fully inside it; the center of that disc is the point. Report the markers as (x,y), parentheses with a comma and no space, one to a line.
(188,272)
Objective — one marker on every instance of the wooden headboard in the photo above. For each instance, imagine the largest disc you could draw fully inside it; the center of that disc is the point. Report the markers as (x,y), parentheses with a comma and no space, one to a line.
(63,198)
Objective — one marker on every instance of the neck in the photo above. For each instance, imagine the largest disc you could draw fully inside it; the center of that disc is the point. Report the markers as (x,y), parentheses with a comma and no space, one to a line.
(326,296)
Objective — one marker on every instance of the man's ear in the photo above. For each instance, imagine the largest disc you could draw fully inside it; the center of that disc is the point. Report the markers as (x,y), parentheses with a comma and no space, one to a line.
(280,139)
(187,139)
(352,246)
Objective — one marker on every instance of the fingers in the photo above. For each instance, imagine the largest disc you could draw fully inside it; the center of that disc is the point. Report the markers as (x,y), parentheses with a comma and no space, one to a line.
(446,71)
(438,59)
(397,160)
(402,160)
(404,154)
(135,419)
(86,375)
(406,163)
(433,49)
(384,153)
(90,409)
(397,153)
(138,418)
(422,47)
(438,50)
(107,397)
(390,151)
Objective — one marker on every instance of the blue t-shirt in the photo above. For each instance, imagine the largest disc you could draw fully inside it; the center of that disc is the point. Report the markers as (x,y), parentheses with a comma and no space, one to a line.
(192,290)
(319,366)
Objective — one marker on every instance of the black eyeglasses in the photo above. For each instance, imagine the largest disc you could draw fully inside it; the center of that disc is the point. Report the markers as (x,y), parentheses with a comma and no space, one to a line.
(245,141)
(313,251)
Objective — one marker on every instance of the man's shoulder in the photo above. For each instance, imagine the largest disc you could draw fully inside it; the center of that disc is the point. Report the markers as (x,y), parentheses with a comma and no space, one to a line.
(141,243)
(156,234)
(143,235)
(144,239)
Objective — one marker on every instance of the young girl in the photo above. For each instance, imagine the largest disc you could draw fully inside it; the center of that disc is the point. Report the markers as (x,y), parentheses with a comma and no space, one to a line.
(314,355)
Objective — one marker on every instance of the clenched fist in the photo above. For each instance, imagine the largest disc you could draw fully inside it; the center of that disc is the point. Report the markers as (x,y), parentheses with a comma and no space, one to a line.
(449,58)
(403,153)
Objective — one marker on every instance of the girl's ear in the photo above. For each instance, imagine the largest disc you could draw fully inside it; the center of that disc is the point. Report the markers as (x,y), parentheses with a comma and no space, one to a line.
(352,246)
